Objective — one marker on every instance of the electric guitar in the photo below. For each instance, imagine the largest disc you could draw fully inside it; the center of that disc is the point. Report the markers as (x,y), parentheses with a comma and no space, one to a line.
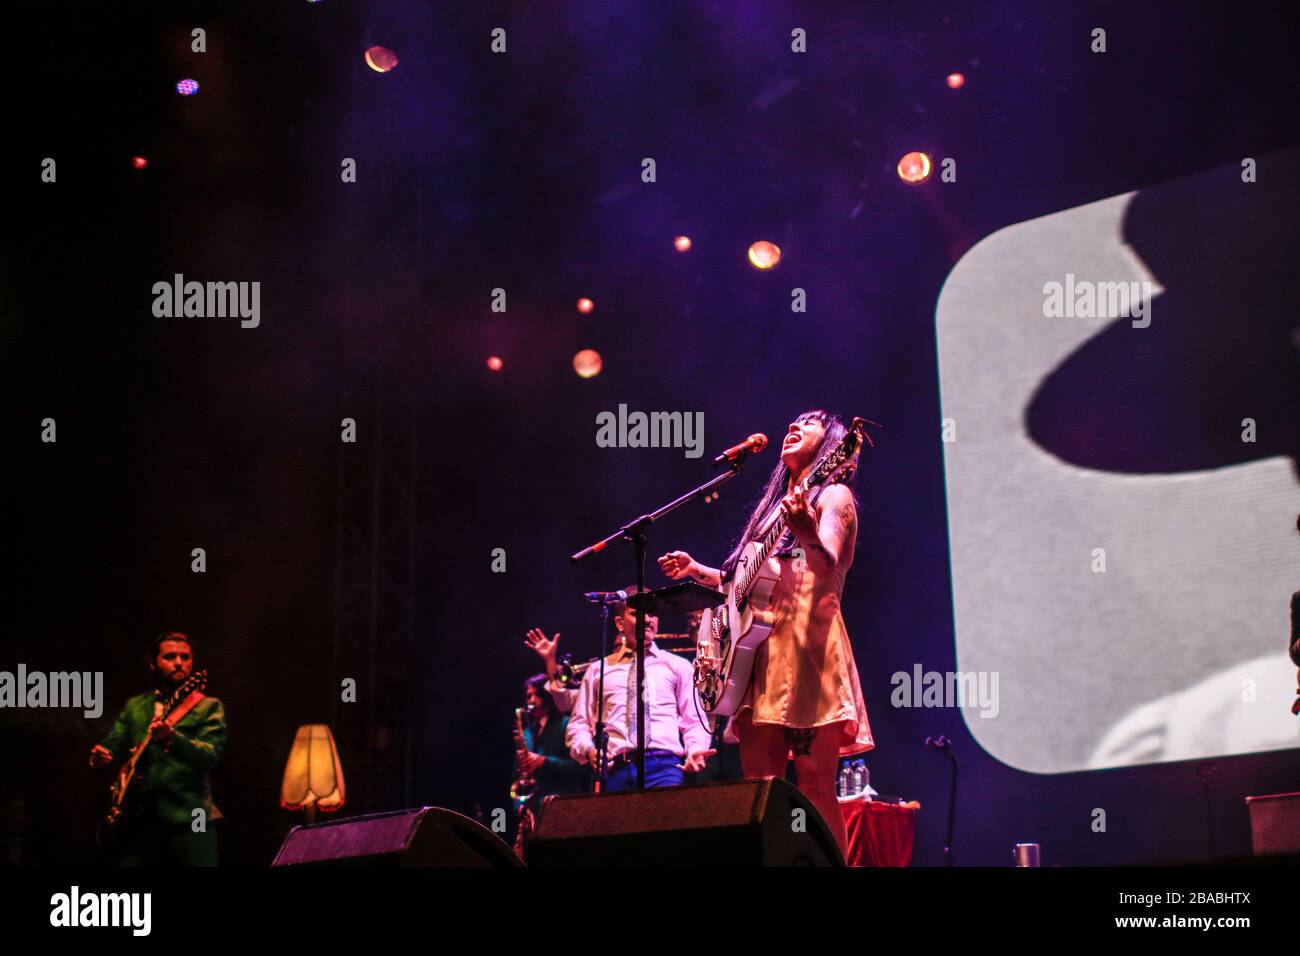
(730,634)
(121,790)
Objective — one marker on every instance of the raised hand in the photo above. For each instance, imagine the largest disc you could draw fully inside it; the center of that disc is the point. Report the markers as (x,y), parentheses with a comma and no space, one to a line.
(544,647)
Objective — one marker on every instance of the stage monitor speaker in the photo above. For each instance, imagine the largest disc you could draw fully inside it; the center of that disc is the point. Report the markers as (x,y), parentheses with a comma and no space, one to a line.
(1274,823)
(761,822)
(425,836)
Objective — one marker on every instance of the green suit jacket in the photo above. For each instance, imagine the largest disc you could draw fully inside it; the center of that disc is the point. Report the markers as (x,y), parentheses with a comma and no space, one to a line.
(173,782)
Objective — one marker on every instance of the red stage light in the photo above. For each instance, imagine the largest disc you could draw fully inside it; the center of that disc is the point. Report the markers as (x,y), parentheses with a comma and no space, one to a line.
(682,243)
(494,363)
(914,168)
(956,81)
(764,255)
(585,306)
(587,363)
(381,59)
(139,162)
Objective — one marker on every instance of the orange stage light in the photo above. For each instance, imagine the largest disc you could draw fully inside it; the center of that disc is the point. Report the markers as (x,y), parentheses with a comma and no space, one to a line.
(587,363)
(764,255)
(914,168)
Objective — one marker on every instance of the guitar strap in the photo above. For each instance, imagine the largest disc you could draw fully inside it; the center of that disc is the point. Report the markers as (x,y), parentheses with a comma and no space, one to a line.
(184,707)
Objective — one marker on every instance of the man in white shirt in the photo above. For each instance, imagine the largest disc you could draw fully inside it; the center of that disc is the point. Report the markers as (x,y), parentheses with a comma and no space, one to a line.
(677,740)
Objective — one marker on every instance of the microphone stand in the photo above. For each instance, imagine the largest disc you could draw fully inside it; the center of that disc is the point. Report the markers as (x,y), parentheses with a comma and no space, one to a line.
(944,746)
(948,858)
(601,736)
(635,531)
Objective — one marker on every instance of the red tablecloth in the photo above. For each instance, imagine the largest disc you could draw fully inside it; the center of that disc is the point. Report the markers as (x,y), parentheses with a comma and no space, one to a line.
(880,834)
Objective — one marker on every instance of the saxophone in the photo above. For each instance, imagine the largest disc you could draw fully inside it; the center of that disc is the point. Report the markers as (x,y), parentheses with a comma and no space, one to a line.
(523,786)
(521,791)
(524,832)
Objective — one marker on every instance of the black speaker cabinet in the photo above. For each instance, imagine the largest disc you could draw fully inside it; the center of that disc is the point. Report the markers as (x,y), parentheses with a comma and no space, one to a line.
(425,836)
(762,822)
(1274,823)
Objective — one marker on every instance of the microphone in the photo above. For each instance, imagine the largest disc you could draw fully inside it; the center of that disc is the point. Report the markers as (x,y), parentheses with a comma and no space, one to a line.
(940,743)
(605,597)
(755,442)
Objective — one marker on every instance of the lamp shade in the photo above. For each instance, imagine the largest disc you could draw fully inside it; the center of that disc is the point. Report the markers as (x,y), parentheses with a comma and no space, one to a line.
(313,776)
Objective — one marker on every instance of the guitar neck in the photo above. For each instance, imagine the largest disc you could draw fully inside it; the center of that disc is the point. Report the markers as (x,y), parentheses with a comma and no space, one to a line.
(770,538)
(139,749)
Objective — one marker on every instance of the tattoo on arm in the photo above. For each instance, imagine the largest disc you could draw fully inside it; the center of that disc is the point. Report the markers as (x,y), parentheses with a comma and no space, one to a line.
(708,576)
(846,517)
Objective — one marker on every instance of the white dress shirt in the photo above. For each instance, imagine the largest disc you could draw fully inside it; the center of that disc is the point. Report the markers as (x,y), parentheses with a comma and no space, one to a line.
(672,708)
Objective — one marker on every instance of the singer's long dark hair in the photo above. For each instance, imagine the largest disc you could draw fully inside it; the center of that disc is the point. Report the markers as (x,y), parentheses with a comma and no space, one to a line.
(779,481)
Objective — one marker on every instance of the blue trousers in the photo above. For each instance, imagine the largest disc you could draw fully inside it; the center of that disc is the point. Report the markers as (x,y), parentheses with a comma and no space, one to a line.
(660,771)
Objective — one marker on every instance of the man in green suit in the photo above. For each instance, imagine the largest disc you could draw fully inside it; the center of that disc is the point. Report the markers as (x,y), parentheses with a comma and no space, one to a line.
(161,827)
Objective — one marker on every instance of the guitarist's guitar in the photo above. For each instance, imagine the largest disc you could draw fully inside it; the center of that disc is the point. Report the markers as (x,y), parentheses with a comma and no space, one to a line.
(107,831)
(731,633)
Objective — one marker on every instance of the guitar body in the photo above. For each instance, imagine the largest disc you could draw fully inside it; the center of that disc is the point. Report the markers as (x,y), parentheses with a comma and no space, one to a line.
(106,833)
(730,636)
(109,828)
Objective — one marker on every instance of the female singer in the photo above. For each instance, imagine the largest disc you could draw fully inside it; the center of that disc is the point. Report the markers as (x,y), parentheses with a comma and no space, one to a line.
(804,702)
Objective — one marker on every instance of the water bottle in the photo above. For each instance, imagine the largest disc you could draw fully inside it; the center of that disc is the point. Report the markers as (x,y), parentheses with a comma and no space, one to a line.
(1027,854)
(857,785)
(866,779)
(842,787)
